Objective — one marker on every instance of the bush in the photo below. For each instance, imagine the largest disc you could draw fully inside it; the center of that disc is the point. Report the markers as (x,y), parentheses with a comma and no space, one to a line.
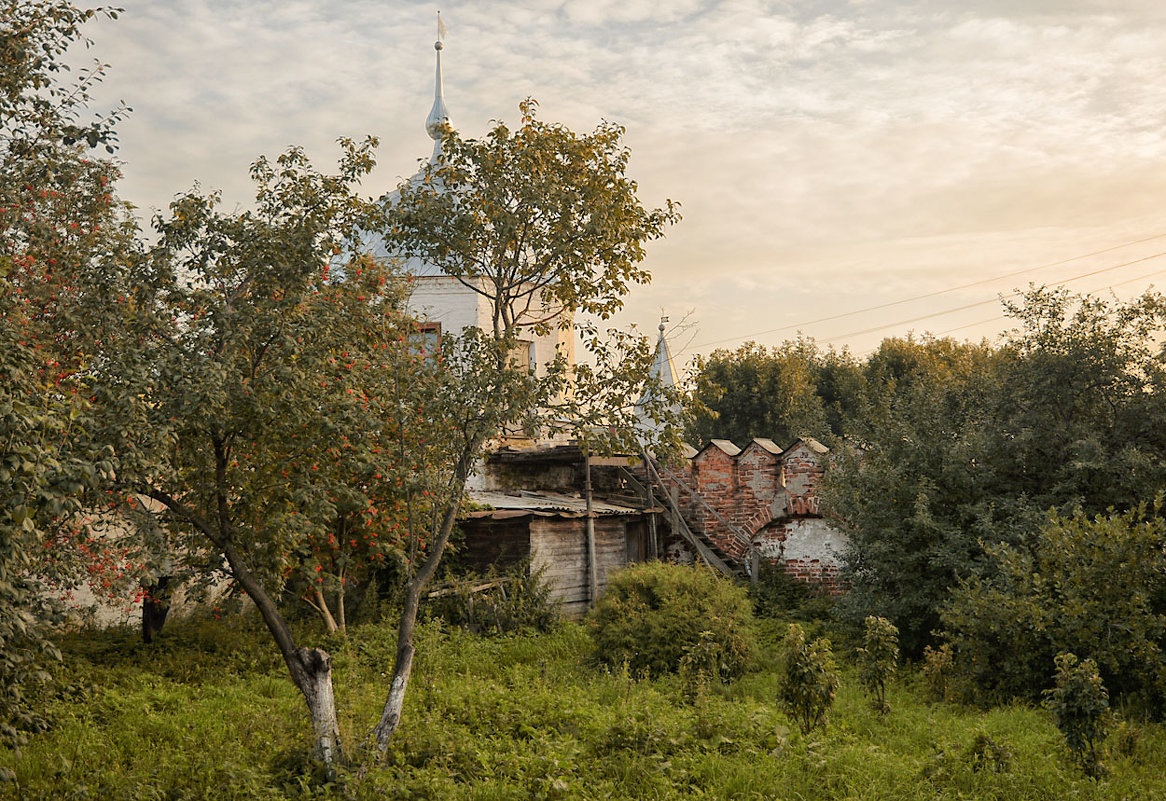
(877,660)
(781,595)
(809,680)
(498,602)
(653,613)
(1064,595)
(1080,707)
(936,672)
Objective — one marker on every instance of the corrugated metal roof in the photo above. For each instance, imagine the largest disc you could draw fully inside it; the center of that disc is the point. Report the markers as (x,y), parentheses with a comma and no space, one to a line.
(543,504)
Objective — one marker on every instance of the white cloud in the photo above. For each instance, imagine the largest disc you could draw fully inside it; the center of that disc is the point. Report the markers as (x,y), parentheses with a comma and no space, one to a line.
(828,153)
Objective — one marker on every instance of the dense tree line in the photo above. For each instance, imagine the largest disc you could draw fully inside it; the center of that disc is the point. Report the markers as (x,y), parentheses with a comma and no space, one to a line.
(950,456)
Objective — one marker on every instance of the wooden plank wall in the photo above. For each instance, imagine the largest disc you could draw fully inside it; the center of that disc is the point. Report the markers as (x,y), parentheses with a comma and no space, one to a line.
(497,543)
(561,545)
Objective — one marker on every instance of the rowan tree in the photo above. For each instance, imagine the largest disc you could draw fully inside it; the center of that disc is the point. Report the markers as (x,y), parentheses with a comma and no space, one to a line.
(260,406)
(64,241)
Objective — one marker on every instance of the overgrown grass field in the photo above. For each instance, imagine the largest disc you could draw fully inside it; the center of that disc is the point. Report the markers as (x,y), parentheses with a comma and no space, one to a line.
(209,713)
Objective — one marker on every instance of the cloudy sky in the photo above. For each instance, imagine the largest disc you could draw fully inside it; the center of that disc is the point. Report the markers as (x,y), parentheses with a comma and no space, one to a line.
(850,169)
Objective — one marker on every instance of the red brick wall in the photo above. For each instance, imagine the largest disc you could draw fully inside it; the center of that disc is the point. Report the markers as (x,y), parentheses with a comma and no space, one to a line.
(759,480)
(758,492)
(715,478)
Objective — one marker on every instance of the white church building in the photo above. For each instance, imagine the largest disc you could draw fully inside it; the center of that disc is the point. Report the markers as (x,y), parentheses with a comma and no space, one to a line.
(447,304)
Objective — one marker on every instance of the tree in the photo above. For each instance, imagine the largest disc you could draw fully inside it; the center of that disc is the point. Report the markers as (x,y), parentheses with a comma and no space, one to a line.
(963,447)
(1080,706)
(759,392)
(808,681)
(543,223)
(1092,585)
(1081,424)
(877,660)
(62,239)
(910,492)
(262,403)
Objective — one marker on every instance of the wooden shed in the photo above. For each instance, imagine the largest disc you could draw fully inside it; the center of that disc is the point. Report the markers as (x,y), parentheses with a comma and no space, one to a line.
(550,529)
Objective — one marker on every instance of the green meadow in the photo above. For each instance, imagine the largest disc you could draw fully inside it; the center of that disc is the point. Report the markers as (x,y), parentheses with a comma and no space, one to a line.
(208,712)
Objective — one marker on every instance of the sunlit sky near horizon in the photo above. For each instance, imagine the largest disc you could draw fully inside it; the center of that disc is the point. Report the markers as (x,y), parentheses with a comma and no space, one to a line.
(831,156)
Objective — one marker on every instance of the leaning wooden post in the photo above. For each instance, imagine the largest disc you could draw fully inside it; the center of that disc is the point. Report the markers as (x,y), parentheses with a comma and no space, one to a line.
(653,535)
(592,573)
(653,541)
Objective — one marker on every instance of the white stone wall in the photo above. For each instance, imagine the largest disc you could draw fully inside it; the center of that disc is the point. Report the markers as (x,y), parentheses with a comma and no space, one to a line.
(445,300)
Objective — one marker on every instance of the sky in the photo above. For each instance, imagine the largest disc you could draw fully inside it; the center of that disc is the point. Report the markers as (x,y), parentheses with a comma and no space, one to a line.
(848,170)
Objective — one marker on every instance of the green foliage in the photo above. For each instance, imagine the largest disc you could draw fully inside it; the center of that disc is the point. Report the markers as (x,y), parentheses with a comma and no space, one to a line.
(1080,706)
(809,680)
(936,672)
(758,392)
(907,498)
(983,753)
(778,594)
(877,660)
(538,210)
(544,224)
(700,665)
(962,447)
(63,239)
(653,613)
(519,716)
(1094,586)
(498,602)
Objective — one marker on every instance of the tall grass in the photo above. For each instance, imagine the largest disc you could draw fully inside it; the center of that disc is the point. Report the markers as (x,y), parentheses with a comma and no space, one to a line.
(208,713)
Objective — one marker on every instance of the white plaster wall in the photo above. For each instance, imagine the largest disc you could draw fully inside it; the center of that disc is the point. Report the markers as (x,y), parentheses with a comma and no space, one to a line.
(807,539)
(445,300)
(441,299)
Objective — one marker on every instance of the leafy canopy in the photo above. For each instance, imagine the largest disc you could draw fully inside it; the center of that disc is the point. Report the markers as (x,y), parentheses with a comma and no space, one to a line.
(63,242)
(540,220)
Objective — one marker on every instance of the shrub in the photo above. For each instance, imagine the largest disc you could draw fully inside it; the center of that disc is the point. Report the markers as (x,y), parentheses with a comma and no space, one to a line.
(984,754)
(779,594)
(936,672)
(808,682)
(1061,596)
(1080,707)
(499,602)
(653,612)
(877,659)
(699,665)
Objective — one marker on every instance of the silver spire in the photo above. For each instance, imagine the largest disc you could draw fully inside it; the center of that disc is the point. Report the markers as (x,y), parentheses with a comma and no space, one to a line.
(438,115)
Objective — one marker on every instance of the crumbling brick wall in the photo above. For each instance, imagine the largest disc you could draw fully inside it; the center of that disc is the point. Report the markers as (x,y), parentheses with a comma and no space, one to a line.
(769,495)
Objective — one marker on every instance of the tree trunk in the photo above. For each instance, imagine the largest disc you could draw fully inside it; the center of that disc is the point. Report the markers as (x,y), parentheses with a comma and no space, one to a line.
(395,703)
(310,668)
(155,607)
(322,607)
(316,685)
(403,669)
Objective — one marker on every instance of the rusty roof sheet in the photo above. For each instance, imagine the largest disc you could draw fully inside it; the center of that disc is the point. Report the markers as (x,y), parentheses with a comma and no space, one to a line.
(541,504)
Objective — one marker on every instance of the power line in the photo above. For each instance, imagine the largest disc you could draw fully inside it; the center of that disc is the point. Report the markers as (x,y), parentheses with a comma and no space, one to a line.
(1013,294)
(936,292)
(945,332)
